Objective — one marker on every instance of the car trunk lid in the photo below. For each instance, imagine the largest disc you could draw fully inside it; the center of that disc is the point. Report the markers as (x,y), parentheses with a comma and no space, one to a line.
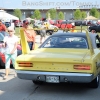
(52,60)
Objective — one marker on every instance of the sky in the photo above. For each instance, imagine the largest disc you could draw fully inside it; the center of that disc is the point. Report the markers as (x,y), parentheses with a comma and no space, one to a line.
(48,4)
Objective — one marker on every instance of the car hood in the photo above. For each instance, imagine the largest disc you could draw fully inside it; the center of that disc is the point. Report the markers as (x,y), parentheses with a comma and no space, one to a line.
(56,55)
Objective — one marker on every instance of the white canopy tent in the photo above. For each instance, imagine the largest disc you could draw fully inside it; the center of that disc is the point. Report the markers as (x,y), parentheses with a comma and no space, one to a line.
(91,18)
(6,16)
(28,18)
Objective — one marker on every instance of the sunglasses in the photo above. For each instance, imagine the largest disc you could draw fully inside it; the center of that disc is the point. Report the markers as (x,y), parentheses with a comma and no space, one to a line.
(10,31)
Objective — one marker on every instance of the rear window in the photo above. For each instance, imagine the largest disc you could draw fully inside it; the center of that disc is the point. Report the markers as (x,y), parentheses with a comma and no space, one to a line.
(65,42)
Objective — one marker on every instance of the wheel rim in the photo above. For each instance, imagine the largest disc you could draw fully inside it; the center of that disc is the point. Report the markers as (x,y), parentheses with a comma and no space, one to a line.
(48,33)
(55,29)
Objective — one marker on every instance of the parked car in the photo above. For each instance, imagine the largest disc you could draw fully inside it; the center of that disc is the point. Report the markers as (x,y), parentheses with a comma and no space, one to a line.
(50,29)
(96,28)
(64,25)
(7,24)
(92,23)
(19,24)
(80,22)
(2,56)
(71,57)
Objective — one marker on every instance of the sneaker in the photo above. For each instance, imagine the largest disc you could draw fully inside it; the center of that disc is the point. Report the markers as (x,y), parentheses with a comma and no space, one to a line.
(5,77)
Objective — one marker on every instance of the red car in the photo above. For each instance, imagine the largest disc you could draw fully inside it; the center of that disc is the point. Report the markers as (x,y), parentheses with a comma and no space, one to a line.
(64,25)
(18,23)
(2,56)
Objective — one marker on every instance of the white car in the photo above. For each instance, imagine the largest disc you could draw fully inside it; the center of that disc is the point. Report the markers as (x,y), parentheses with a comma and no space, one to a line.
(51,27)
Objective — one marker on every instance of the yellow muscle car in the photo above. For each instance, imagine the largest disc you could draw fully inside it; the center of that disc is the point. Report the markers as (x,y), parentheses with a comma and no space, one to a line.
(63,57)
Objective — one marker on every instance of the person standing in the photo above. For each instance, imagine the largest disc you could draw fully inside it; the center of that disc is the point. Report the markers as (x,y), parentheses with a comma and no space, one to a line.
(3,29)
(29,34)
(93,31)
(42,34)
(73,30)
(10,45)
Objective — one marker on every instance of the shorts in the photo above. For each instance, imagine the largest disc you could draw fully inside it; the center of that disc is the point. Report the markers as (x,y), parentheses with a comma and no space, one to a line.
(42,33)
(9,57)
(30,45)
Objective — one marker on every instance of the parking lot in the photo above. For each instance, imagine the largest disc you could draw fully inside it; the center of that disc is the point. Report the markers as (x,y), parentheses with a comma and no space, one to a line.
(17,89)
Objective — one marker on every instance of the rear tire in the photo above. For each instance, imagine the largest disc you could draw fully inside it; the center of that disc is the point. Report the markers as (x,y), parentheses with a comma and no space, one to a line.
(47,33)
(95,83)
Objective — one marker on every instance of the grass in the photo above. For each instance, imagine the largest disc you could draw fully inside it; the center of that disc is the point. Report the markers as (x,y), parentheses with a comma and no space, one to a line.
(17,31)
(83,27)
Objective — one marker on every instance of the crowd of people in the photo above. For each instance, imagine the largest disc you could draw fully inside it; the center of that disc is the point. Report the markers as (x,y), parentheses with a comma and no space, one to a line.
(10,41)
(10,45)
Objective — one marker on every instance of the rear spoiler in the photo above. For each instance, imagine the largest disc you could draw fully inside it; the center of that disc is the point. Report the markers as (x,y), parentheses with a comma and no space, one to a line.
(89,42)
(24,44)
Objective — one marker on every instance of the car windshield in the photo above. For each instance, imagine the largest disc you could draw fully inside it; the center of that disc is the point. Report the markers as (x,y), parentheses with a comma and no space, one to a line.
(65,42)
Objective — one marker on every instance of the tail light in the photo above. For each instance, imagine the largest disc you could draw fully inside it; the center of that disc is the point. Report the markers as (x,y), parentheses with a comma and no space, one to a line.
(82,67)
(25,64)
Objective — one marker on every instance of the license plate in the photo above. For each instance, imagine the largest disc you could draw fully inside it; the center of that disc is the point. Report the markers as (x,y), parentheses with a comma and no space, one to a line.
(52,79)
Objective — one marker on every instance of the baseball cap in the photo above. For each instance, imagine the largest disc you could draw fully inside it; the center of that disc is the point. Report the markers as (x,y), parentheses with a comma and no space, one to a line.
(25,22)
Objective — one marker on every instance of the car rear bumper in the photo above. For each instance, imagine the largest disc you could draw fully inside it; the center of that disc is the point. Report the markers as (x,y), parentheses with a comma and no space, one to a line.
(63,77)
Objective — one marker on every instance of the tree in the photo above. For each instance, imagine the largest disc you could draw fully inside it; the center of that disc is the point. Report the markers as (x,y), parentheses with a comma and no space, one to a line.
(83,14)
(47,14)
(18,13)
(94,12)
(53,13)
(60,15)
(99,15)
(37,14)
(77,14)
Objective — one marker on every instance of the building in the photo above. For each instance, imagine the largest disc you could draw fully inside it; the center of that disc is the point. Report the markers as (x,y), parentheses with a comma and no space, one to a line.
(68,13)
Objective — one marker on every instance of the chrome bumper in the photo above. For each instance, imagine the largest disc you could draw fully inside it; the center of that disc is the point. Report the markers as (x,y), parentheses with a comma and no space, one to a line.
(63,76)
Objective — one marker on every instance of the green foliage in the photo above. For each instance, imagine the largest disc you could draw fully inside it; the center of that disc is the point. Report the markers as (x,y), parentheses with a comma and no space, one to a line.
(47,14)
(77,14)
(94,12)
(53,13)
(83,14)
(37,14)
(60,15)
(99,15)
(18,13)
